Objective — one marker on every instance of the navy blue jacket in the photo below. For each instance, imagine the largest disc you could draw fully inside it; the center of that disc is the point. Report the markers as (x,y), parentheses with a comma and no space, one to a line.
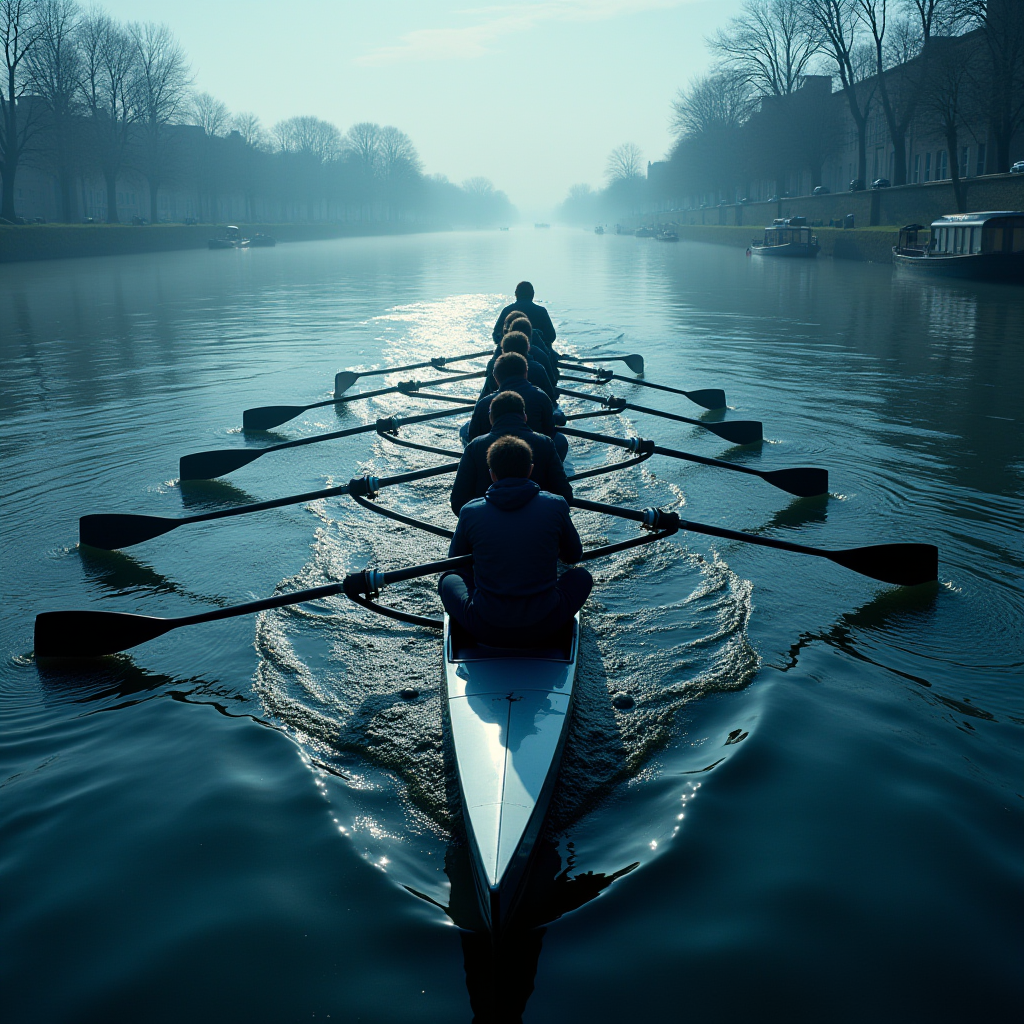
(536,373)
(537,315)
(473,478)
(516,534)
(539,411)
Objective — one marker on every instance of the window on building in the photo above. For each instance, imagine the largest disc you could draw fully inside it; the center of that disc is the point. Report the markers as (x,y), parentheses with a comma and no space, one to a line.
(917,169)
(927,167)
(940,165)
(981,158)
(965,161)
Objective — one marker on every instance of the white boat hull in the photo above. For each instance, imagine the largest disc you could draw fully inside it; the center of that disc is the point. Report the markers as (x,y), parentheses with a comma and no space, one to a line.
(508,715)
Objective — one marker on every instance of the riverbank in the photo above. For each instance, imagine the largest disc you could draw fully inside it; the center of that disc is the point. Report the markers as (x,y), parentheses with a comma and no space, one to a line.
(67,241)
(869,245)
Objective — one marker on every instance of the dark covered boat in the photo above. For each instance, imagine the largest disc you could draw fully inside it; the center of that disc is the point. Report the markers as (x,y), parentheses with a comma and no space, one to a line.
(790,236)
(986,246)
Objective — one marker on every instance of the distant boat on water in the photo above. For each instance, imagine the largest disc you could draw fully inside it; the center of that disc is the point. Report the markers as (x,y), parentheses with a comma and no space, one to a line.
(667,236)
(787,236)
(232,239)
(985,246)
(645,232)
(599,230)
(542,225)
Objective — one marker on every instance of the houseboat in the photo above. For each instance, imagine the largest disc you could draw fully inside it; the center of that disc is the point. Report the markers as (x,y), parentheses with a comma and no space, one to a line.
(985,246)
(790,236)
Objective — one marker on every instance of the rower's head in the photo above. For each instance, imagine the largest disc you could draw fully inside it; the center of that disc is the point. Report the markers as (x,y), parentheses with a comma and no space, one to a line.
(514,317)
(509,366)
(507,403)
(522,324)
(510,456)
(524,292)
(516,341)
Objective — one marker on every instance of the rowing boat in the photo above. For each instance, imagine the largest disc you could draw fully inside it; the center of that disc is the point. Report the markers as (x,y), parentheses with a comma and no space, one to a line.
(507,714)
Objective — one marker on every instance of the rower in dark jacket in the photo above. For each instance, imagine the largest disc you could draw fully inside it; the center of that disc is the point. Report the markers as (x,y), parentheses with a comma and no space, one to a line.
(537,315)
(539,349)
(510,374)
(508,418)
(516,535)
(536,372)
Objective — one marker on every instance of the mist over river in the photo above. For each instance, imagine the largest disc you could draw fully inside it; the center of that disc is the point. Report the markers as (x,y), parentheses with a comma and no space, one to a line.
(813,811)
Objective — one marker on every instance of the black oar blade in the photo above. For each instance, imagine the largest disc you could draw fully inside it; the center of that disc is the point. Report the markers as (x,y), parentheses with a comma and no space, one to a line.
(635,362)
(111,531)
(92,634)
(343,381)
(906,565)
(266,417)
(208,465)
(710,398)
(737,431)
(804,483)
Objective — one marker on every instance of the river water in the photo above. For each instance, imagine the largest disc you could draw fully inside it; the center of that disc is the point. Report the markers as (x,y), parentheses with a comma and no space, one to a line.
(812,812)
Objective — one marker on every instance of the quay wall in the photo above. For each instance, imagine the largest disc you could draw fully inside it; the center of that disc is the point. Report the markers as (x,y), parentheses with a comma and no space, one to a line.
(872,245)
(876,209)
(64,241)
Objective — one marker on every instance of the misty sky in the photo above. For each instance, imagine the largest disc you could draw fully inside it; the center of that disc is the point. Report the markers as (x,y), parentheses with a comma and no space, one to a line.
(530,95)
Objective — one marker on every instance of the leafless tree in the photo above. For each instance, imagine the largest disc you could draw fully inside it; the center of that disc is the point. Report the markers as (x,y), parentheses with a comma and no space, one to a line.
(841,43)
(210,114)
(397,156)
(251,129)
(163,78)
(949,101)
(309,137)
(20,29)
(710,103)
(108,84)
(769,44)
(1002,22)
(362,141)
(625,163)
(54,67)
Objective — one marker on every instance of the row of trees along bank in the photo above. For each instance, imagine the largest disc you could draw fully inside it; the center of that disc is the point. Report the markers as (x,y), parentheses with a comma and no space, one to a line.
(87,100)
(802,87)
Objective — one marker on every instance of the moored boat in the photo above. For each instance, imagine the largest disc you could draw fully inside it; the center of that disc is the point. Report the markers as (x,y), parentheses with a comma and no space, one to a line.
(666,236)
(789,237)
(508,714)
(985,246)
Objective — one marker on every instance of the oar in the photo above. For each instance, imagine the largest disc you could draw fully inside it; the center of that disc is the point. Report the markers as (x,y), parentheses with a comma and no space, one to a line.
(346,378)
(266,417)
(736,431)
(114,530)
(207,465)
(635,361)
(804,482)
(91,634)
(709,398)
(906,565)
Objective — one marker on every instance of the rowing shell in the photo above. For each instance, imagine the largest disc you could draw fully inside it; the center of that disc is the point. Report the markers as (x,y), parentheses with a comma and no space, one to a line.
(508,715)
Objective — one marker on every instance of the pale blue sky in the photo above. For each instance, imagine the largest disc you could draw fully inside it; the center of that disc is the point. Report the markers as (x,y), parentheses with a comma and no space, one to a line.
(531,95)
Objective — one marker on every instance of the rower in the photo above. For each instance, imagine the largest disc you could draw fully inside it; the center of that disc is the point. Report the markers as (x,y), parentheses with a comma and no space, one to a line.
(508,418)
(510,372)
(538,347)
(516,534)
(536,372)
(537,315)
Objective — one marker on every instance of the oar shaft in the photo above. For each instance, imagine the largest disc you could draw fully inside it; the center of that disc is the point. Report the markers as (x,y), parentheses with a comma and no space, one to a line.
(326,492)
(436,362)
(659,450)
(405,387)
(280,601)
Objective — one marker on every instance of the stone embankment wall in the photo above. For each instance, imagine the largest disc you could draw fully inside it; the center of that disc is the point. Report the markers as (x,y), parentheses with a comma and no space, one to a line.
(62,241)
(876,209)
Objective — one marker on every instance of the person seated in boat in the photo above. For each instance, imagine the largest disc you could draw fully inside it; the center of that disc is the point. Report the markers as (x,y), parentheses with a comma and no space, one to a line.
(508,419)
(513,596)
(537,315)
(539,349)
(510,374)
(536,373)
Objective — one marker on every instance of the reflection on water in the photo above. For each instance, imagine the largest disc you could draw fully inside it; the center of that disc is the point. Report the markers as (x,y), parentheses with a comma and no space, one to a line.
(908,391)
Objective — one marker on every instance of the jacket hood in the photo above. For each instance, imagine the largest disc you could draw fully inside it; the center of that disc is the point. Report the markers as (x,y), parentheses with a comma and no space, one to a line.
(512,493)
(510,423)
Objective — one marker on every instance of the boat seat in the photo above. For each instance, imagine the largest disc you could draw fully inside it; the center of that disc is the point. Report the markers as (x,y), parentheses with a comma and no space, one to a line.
(465,647)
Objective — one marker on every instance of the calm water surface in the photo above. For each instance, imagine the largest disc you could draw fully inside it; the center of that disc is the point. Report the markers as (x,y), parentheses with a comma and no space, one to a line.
(812,813)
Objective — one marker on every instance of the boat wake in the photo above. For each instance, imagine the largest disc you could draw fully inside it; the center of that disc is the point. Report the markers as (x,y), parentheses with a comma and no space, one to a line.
(334,675)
